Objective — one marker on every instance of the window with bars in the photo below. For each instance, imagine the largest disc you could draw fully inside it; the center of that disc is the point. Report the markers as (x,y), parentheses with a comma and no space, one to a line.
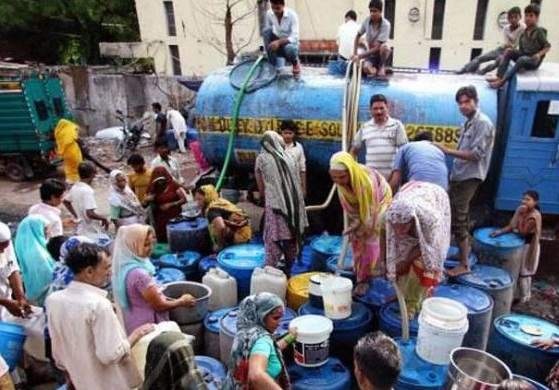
(438,19)
(175,59)
(390,15)
(481,15)
(170,16)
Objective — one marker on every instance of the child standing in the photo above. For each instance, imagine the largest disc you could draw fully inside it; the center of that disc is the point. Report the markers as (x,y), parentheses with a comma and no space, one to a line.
(527,221)
(289,133)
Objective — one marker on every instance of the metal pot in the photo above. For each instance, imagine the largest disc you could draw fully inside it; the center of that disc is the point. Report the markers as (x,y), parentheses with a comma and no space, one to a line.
(191,210)
(472,369)
(188,315)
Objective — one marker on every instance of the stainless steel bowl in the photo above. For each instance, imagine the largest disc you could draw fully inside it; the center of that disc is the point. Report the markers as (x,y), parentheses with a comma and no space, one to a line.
(472,369)
(188,315)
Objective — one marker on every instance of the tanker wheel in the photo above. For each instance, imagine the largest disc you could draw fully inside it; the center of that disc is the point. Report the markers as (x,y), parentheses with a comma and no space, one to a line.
(15,171)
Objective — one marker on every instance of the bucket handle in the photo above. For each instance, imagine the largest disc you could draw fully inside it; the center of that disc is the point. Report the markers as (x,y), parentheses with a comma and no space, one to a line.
(403,312)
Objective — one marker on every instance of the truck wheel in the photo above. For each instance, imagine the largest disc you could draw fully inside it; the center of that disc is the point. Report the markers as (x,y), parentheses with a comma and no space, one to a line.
(15,171)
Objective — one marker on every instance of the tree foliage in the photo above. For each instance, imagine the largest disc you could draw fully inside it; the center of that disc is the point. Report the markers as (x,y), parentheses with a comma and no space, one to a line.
(67,31)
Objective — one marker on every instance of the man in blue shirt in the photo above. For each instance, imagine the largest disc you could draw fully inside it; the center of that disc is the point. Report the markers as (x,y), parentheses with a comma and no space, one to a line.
(420,161)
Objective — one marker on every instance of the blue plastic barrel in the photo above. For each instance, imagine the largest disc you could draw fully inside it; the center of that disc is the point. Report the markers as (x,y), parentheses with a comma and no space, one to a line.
(169,275)
(331,376)
(212,370)
(12,337)
(480,309)
(206,263)
(390,321)
(450,262)
(537,385)
(416,373)
(347,267)
(324,247)
(211,334)
(511,341)
(380,293)
(304,263)
(504,251)
(188,235)
(494,281)
(239,261)
(186,261)
(346,332)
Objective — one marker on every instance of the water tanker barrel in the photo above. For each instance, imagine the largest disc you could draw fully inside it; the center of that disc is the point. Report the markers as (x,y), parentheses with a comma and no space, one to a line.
(511,341)
(505,251)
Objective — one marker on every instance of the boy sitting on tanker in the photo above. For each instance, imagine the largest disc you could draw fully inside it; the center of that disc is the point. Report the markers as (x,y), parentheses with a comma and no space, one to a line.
(532,48)
(511,35)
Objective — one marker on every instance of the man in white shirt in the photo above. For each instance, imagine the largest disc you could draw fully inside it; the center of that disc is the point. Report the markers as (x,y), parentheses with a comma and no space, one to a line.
(81,203)
(164,159)
(281,35)
(88,342)
(51,192)
(289,130)
(382,136)
(377,31)
(511,36)
(178,124)
(346,35)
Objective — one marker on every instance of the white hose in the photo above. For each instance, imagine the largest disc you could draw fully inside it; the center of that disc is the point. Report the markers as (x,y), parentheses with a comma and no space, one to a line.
(403,312)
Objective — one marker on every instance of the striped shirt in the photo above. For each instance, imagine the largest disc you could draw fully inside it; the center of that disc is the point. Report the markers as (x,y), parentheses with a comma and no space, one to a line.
(382,143)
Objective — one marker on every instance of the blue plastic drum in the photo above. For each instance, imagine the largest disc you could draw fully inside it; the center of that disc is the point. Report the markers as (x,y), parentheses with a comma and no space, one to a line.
(169,275)
(380,293)
(206,263)
(331,376)
(211,334)
(416,373)
(12,337)
(324,247)
(450,262)
(239,261)
(537,385)
(186,261)
(346,270)
(304,263)
(511,341)
(390,321)
(212,370)
(189,235)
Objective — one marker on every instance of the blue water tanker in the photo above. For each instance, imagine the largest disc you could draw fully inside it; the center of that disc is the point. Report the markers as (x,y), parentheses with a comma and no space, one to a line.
(169,275)
(416,373)
(480,309)
(188,235)
(390,321)
(331,376)
(451,262)
(239,261)
(494,281)
(504,251)
(511,341)
(212,370)
(186,261)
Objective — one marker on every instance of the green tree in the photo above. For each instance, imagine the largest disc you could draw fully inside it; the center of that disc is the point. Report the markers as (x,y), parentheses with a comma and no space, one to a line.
(68,31)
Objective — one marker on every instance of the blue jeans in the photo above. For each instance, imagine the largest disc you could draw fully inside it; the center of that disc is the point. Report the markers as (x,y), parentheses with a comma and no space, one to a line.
(288,51)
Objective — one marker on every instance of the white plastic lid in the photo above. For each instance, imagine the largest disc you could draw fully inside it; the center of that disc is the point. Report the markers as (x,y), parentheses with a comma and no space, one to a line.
(311,325)
(445,312)
(336,284)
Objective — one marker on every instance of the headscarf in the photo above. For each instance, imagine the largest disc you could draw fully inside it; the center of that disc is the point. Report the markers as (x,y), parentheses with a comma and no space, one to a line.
(36,263)
(72,243)
(128,243)
(125,198)
(171,364)
(212,200)
(427,206)
(250,327)
(158,174)
(362,193)
(284,192)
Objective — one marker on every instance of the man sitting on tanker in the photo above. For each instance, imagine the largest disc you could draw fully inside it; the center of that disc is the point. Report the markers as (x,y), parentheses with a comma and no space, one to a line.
(377,30)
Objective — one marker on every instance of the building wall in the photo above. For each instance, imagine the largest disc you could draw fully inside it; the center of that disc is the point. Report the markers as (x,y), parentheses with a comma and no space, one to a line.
(199,29)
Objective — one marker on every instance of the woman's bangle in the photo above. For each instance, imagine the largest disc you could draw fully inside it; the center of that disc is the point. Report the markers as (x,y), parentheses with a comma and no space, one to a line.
(289,339)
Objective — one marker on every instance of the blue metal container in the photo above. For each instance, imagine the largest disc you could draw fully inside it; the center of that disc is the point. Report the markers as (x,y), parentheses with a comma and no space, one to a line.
(239,261)
(452,252)
(212,370)
(211,333)
(505,251)
(169,275)
(480,309)
(494,281)
(347,267)
(206,263)
(390,321)
(331,376)
(511,341)
(537,385)
(346,332)
(315,101)
(186,261)
(324,247)
(416,373)
(188,235)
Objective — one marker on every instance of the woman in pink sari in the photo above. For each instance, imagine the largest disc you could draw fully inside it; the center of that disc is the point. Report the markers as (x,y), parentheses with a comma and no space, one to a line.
(365,195)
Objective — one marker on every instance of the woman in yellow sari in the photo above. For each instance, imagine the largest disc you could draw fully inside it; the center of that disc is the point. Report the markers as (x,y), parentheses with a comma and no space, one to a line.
(365,195)
(228,223)
(66,135)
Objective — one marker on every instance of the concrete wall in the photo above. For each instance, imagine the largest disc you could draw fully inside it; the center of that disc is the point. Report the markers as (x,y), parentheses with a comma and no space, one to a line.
(199,30)
(94,97)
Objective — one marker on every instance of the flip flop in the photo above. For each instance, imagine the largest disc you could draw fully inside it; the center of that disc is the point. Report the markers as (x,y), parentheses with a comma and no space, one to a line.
(457,274)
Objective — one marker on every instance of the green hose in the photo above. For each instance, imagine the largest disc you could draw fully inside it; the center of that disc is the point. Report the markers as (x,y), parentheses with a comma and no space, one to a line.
(234,119)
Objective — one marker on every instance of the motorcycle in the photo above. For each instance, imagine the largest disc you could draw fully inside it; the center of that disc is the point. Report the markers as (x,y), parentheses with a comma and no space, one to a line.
(132,135)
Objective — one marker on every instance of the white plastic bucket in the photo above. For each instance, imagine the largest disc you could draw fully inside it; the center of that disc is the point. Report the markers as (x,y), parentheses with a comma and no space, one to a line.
(312,346)
(336,294)
(443,323)
(315,289)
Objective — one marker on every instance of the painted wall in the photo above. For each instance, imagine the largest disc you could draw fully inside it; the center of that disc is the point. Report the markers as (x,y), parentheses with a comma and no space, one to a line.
(199,30)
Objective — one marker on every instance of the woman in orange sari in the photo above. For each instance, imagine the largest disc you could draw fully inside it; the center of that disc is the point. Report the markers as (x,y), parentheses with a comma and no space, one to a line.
(66,135)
